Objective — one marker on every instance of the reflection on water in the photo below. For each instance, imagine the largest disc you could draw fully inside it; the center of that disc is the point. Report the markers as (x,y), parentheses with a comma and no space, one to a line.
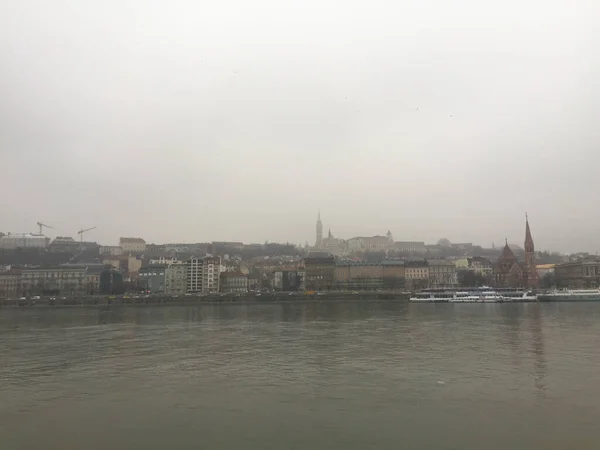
(322,375)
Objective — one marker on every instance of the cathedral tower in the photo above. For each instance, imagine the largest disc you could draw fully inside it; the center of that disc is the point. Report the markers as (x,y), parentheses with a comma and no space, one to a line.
(319,241)
(531,278)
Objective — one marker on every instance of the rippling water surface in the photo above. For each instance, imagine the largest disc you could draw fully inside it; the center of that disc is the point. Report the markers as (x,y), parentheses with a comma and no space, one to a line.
(302,376)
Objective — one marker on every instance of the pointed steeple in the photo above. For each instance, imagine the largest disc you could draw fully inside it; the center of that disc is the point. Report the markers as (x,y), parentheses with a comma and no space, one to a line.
(319,240)
(529,247)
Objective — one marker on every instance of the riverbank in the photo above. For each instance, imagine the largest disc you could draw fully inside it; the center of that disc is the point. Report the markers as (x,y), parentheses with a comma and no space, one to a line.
(137,300)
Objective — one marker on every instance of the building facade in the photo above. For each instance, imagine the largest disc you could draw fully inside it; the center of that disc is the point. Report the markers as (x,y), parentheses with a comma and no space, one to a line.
(54,280)
(578,275)
(410,247)
(370,244)
(234,282)
(287,280)
(176,278)
(132,245)
(63,244)
(10,284)
(480,266)
(152,279)
(394,274)
(319,273)
(111,282)
(417,274)
(23,240)
(113,250)
(508,271)
(358,276)
(203,274)
(442,273)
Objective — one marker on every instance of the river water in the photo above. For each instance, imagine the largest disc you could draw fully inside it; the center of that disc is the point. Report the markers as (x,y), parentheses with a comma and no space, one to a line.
(302,376)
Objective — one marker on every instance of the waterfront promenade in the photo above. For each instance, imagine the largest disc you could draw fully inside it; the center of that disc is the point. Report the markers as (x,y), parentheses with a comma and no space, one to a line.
(140,300)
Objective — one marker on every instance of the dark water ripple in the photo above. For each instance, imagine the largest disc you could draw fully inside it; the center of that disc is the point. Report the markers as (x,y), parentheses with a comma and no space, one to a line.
(303,376)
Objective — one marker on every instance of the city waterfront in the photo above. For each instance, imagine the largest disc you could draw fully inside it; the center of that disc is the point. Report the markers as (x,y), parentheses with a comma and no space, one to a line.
(318,375)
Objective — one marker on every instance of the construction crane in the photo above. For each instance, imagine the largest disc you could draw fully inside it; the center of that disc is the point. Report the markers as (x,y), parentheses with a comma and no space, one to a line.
(80,233)
(42,226)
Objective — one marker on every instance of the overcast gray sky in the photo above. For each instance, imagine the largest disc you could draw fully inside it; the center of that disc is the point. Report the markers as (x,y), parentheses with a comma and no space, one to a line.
(238,120)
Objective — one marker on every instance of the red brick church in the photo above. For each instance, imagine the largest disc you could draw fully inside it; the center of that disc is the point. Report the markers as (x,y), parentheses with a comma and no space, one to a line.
(511,273)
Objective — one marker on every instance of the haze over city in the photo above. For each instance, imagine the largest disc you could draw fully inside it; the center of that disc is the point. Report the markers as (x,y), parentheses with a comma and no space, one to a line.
(239,120)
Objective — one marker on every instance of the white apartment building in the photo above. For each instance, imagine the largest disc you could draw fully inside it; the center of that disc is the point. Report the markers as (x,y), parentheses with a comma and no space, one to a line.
(203,274)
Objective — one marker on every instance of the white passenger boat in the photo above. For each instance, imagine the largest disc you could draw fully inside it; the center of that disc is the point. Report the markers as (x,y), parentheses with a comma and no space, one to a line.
(436,296)
(432,297)
(520,296)
(465,297)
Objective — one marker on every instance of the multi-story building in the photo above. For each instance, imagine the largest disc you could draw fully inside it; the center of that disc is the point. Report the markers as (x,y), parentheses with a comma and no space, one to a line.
(417,274)
(211,274)
(111,281)
(358,275)
(63,244)
(410,247)
(23,240)
(388,274)
(152,279)
(394,274)
(235,282)
(176,278)
(370,244)
(287,280)
(480,265)
(113,250)
(442,273)
(10,283)
(132,245)
(92,278)
(203,274)
(579,274)
(194,275)
(55,280)
(320,273)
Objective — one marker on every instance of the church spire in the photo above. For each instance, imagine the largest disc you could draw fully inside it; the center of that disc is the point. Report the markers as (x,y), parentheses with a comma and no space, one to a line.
(319,240)
(530,268)
(529,247)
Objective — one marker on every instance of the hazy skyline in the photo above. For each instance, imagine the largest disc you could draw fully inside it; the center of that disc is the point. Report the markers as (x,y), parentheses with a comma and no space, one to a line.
(185,121)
